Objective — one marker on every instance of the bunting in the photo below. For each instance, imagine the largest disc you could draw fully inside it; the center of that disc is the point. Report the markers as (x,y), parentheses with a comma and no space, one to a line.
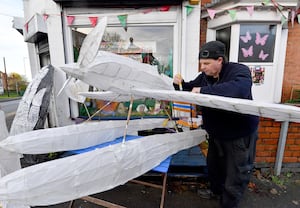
(189,9)
(211,13)
(70,20)
(123,21)
(26,26)
(250,10)
(164,8)
(293,14)
(232,14)
(283,20)
(93,21)
(45,16)
(147,11)
(266,2)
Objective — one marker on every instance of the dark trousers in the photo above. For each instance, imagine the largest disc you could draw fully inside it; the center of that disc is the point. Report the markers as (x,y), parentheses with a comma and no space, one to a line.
(229,167)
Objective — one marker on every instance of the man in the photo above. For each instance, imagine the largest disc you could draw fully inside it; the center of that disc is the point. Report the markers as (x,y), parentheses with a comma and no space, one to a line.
(232,136)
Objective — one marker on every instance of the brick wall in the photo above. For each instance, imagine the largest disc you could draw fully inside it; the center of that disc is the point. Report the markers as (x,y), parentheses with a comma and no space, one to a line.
(292,66)
(269,133)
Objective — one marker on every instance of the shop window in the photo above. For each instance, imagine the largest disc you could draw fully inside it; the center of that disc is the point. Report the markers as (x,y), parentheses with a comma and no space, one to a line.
(256,43)
(148,44)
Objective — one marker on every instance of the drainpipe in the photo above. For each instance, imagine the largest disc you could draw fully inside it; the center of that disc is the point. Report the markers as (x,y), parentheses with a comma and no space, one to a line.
(281,146)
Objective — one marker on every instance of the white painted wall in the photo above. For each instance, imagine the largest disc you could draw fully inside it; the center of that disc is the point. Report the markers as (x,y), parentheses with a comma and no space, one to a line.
(190,42)
(56,47)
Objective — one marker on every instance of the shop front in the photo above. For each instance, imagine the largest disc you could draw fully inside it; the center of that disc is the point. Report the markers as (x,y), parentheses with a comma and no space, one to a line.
(164,34)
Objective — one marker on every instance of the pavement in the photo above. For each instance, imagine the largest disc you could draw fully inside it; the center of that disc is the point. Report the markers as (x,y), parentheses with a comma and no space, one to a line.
(9,99)
(264,190)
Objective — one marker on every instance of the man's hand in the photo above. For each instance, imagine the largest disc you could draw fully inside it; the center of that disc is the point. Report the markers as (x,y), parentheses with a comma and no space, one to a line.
(177,79)
(196,89)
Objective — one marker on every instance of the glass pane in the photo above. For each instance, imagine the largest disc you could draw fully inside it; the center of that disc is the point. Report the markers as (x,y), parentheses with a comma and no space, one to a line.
(148,44)
(224,35)
(256,43)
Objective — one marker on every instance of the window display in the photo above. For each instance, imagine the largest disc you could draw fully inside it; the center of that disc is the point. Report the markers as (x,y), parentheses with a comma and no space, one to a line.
(150,44)
(256,43)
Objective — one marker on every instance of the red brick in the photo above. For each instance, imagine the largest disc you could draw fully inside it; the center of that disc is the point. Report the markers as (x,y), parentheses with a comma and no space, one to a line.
(260,147)
(268,147)
(274,135)
(293,147)
(265,159)
(272,129)
(264,135)
(264,154)
(297,141)
(294,135)
(290,141)
(296,154)
(270,141)
(288,154)
(290,159)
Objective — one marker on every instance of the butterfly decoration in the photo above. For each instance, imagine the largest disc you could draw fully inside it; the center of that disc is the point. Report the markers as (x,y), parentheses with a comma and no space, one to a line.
(263,55)
(246,38)
(261,40)
(247,52)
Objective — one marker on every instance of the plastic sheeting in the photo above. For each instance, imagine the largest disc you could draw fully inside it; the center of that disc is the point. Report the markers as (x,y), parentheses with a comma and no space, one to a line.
(93,172)
(74,136)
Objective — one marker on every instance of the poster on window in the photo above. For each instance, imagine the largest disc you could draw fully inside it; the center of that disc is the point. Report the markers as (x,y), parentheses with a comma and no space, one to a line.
(258,74)
(256,43)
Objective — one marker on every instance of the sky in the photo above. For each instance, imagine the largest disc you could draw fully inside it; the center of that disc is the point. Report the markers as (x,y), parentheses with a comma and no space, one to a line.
(12,45)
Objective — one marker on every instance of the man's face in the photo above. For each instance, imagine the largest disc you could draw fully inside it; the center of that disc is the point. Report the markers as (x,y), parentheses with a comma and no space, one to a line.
(211,67)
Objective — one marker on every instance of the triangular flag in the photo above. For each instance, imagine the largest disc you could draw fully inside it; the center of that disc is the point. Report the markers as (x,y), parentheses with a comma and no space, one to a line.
(93,20)
(293,17)
(279,7)
(189,9)
(232,13)
(164,8)
(70,20)
(147,11)
(211,13)
(45,16)
(298,16)
(250,10)
(266,2)
(26,26)
(283,20)
(123,21)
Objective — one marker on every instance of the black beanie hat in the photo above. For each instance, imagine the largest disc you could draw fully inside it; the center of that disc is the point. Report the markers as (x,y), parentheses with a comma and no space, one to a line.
(213,50)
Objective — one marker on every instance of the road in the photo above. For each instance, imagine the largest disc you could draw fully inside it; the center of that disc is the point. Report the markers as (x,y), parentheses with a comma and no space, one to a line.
(9,107)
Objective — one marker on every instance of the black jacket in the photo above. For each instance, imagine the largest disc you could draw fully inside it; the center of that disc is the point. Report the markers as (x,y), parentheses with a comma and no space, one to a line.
(234,81)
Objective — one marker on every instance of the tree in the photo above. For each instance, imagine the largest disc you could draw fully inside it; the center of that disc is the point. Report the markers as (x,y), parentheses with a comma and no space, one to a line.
(16,82)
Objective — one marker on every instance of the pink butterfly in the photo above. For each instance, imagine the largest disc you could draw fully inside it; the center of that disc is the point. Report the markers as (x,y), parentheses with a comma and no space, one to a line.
(261,40)
(247,52)
(263,55)
(246,38)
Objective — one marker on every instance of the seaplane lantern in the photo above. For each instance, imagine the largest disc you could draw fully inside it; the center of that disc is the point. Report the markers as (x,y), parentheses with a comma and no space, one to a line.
(121,79)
